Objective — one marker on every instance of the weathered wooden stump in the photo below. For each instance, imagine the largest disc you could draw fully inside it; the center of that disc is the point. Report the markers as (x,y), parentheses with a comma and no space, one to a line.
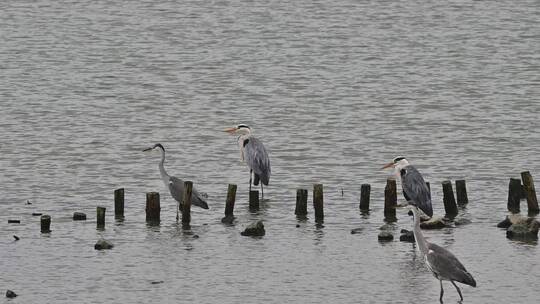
(45,224)
(301,203)
(514,195)
(449,200)
(100,217)
(365,190)
(119,203)
(461,192)
(254,200)
(318,202)
(532,201)
(153,207)
(79,216)
(186,204)
(229,205)
(390,200)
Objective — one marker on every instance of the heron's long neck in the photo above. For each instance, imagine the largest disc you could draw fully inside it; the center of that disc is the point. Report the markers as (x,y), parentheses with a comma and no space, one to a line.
(418,236)
(162,172)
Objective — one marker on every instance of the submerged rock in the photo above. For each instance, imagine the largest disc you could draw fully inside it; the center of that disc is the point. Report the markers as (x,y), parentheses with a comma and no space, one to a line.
(255,229)
(525,229)
(436,222)
(505,223)
(406,236)
(79,216)
(103,244)
(462,221)
(385,236)
(356,230)
(10,294)
(229,219)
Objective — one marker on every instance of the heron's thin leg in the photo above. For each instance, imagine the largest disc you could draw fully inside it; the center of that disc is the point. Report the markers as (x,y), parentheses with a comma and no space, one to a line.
(250,173)
(177,208)
(442,291)
(262,192)
(459,291)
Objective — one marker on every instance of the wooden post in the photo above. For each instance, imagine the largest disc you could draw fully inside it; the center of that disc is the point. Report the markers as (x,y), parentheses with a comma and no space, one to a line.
(301,203)
(390,200)
(254,200)
(365,190)
(461,192)
(318,202)
(532,201)
(119,203)
(186,204)
(450,207)
(45,224)
(153,207)
(231,197)
(514,195)
(100,216)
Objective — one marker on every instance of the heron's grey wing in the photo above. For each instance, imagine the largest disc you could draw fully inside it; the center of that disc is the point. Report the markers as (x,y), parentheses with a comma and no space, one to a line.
(416,190)
(257,158)
(446,266)
(176,186)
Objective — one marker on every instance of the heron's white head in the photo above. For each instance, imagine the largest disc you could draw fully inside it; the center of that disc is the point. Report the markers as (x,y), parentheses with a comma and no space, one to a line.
(397,164)
(241,129)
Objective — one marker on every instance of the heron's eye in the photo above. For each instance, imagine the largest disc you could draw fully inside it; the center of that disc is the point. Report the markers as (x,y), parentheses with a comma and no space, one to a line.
(398,159)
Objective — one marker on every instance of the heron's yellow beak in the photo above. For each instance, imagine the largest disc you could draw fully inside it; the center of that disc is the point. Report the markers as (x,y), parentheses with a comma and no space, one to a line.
(389,165)
(231,130)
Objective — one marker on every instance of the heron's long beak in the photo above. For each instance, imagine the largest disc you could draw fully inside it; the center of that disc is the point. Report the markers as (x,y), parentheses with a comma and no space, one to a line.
(230,130)
(389,165)
(147,149)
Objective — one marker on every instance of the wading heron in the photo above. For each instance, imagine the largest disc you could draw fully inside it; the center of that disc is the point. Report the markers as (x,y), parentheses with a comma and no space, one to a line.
(176,185)
(441,262)
(253,153)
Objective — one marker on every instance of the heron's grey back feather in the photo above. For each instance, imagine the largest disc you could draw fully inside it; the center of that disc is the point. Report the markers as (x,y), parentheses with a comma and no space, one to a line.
(176,187)
(416,190)
(257,159)
(446,266)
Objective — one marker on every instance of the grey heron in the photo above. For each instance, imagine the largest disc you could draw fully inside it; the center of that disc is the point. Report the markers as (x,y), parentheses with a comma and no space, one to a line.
(441,262)
(174,184)
(253,153)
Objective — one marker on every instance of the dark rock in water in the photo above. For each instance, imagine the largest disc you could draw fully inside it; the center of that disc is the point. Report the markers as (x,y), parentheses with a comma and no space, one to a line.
(156,282)
(229,219)
(10,294)
(462,221)
(436,222)
(505,223)
(524,230)
(255,229)
(195,236)
(406,236)
(14,221)
(37,214)
(103,244)
(356,230)
(16,238)
(385,236)
(297,225)
(28,202)
(79,216)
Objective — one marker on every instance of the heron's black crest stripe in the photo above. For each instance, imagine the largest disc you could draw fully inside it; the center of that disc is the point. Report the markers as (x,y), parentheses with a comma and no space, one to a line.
(242,126)
(246,141)
(398,159)
(159,145)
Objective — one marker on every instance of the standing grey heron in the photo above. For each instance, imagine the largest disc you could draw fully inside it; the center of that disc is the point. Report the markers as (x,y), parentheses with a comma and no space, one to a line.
(176,185)
(441,262)
(252,151)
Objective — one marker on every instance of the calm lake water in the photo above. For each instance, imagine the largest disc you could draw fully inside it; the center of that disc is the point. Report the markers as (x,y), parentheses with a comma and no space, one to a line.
(335,89)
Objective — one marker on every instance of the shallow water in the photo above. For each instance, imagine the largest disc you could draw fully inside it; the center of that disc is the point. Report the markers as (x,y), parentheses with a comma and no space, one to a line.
(334,89)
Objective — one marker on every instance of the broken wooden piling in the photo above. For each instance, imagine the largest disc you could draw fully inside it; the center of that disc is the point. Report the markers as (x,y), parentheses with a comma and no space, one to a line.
(449,201)
(532,201)
(301,203)
(153,207)
(186,204)
(514,195)
(390,200)
(119,203)
(100,217)
(254,200)
(45,223)
(461,192)
(365,190)
(231,197)
(318,202)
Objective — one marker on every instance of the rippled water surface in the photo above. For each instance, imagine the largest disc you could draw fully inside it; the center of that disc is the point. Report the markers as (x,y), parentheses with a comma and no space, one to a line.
(334,89)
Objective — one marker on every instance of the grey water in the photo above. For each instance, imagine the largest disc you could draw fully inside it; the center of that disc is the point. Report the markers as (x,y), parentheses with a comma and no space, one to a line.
(335,89)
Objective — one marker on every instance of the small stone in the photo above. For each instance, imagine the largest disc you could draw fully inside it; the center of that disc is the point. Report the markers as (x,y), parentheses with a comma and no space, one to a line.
(356,230)
(14,221)
(103,244)
(156,282)
(385,236)
(505,223)
(37,214)
(297,225)
(10,294)
(16,238)
(79,216)
(436,222)
(406,236)
(255,229)
(229,219)
(462,221)
(195,236)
